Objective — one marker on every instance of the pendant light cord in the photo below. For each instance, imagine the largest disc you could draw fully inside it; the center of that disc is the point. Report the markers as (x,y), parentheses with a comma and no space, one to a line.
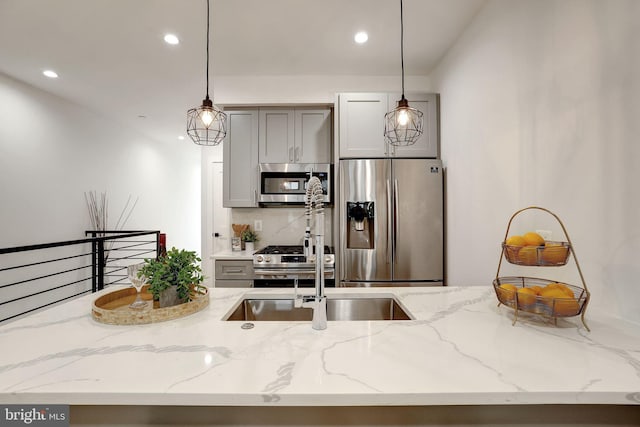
(402,47)
(208,50)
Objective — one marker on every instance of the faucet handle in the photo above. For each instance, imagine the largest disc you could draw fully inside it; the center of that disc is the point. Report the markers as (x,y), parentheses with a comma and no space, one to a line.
(297,299)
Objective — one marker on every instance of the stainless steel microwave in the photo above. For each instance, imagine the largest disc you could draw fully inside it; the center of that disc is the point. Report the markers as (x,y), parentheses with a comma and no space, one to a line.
(286,183)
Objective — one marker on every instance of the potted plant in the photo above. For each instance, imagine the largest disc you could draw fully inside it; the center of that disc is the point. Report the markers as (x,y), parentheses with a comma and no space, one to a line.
(249,237)
(174,278)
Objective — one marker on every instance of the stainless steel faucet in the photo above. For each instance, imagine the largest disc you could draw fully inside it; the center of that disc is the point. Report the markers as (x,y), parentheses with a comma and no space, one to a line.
(317,302)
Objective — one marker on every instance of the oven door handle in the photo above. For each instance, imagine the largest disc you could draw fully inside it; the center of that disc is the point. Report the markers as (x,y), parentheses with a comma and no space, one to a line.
(258,272)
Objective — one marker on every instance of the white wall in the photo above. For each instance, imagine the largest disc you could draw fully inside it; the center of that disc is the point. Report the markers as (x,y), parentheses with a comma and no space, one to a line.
(248,90)
(282,226)
(540,104)
(52,151)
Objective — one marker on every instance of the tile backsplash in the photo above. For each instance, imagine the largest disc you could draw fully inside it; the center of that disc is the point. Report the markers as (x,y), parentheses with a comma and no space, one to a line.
(281,226)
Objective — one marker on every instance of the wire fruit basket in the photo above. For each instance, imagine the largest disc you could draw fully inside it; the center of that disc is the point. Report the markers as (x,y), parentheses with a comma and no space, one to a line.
(551,254)
(549,298)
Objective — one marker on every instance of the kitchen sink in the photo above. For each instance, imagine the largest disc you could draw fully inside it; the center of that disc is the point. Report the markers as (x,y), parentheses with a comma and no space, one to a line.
(254,308)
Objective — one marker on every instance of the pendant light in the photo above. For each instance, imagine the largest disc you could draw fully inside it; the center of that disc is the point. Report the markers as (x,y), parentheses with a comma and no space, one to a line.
(206,124)
(403,125)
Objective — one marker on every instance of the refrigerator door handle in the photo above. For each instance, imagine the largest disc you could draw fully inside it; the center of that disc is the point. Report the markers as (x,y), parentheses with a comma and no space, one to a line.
(389,221)
(395,219)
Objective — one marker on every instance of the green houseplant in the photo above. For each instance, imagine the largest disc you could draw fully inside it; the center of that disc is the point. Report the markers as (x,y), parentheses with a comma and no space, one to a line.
(178,272)
(249,235)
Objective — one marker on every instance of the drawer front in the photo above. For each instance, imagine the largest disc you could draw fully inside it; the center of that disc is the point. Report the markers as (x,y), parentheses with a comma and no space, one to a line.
(233,284)
(234,270)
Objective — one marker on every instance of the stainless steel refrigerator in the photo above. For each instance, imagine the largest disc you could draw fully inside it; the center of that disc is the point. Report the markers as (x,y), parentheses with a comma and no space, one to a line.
(391,222)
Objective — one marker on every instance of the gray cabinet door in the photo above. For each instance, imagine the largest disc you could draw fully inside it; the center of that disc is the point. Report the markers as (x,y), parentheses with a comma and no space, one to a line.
(312,136)
(240,151)
(361,125)
(427,144)
(276,136)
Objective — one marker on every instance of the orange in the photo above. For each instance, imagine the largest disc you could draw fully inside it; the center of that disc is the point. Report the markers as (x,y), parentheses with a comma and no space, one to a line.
(528,255)
(526,297)
(507,293)
(533,239)
(555,254)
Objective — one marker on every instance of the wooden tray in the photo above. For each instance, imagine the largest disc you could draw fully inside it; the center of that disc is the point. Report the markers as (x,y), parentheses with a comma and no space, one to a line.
(113,308)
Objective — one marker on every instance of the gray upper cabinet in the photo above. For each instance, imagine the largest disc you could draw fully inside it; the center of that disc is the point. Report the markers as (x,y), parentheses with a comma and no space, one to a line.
(276,136)
(312,135)
(427,144)
(240,152)
(361,125)
(297,135)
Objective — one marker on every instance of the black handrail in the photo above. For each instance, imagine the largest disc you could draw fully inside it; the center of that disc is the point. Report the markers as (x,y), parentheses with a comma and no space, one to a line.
(77,242)
(102,252)
(100,261)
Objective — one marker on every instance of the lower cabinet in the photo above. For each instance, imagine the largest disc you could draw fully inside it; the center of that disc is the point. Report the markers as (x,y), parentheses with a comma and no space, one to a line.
(233,273)
(234,283)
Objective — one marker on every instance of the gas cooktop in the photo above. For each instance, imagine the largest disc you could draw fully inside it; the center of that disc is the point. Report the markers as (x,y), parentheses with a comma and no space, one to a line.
(287,250)
(289,256)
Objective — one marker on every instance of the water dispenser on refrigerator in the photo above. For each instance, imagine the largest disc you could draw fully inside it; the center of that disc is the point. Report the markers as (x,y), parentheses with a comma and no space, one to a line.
(361,225)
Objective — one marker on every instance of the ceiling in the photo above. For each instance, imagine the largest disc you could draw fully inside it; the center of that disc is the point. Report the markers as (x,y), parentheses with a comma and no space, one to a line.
(111,57)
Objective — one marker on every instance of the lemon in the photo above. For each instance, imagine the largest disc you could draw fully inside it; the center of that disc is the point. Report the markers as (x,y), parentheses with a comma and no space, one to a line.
(557,289)
(512,247)
(526,297)
(561,299)
(533,239)
(515,241)
(528,255)
(555,254)
(536,289)
(566,307)
(507,293)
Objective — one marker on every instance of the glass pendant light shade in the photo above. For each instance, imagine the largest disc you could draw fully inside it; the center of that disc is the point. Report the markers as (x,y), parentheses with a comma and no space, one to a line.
(403,125)
(206,125)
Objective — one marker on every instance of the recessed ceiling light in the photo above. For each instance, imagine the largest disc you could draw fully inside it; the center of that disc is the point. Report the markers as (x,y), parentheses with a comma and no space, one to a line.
(361,37)
(50,73)
(181,137)
(171,39)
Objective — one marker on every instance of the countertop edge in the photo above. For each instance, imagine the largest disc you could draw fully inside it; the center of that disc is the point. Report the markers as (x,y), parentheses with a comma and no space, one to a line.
(328,400)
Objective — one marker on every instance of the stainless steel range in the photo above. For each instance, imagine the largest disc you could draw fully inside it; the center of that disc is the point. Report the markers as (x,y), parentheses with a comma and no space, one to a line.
(280,266)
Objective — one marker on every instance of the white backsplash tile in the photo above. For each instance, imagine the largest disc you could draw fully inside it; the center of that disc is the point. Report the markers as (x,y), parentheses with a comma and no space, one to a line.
(280,226)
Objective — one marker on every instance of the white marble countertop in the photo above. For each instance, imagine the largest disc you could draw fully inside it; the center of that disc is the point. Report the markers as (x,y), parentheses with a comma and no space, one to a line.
(239,255)
(460,350)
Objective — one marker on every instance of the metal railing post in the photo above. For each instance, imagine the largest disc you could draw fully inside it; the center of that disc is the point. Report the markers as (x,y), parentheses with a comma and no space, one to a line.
(94,266)
(100,272)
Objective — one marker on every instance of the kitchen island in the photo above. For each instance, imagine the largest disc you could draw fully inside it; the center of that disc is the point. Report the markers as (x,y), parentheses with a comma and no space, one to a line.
(460,351)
